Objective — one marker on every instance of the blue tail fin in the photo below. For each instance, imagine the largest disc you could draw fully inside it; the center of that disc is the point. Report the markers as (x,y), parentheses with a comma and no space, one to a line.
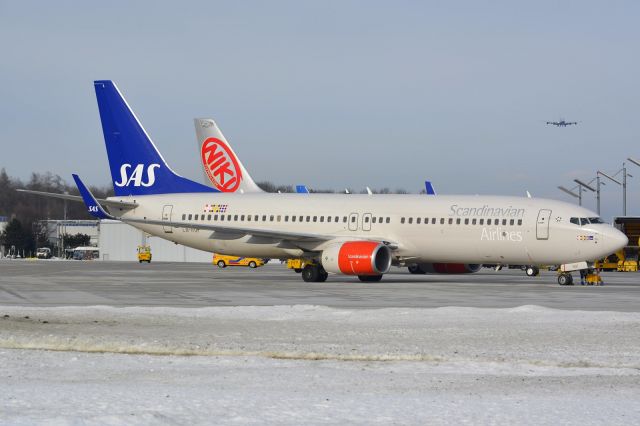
(302,189)
(137,168)
(429,188)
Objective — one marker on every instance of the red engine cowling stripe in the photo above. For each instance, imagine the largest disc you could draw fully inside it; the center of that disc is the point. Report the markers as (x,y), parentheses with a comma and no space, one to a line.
(355,258)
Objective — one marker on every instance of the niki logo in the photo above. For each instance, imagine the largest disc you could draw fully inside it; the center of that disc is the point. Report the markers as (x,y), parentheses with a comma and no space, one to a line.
(129,175)
(221,165)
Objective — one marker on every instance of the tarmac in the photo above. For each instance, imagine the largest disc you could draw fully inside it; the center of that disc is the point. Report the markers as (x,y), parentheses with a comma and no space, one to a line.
(123,284)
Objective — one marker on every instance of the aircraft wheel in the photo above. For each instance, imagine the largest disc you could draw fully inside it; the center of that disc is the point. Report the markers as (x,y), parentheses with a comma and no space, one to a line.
(370,278)
(565,279)
(532,271)
(415,269)
(310,274)
(253,264)
(323,276)
(221,264)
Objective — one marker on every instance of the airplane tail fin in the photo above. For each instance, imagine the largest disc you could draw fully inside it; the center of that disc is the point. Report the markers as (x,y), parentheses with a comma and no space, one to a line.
(221,166)
(137,168)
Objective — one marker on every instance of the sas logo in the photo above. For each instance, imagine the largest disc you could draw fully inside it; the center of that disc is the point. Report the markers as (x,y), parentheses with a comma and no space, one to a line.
(221,165)
(129,175)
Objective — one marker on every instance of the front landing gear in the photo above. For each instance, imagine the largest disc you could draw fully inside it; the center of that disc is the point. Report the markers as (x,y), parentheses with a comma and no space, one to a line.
(565,278)
(314,274)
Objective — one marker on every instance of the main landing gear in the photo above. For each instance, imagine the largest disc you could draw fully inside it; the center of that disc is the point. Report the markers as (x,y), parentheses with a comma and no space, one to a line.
(532,271)
(314,274)
(565,278)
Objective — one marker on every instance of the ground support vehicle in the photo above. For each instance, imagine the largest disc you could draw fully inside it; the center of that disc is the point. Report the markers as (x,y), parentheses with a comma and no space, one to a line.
(144,254)
(223,261)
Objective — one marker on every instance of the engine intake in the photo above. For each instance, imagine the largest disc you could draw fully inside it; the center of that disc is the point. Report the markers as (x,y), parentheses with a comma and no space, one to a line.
(357,258)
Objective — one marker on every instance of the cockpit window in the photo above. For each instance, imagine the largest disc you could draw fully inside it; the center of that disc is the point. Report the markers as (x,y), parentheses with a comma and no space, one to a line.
(582,221)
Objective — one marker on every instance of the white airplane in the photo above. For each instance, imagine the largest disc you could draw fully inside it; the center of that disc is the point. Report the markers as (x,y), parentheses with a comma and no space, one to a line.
(359,234)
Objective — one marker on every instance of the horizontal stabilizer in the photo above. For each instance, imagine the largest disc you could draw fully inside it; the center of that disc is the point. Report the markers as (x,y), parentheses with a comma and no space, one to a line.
(109,203)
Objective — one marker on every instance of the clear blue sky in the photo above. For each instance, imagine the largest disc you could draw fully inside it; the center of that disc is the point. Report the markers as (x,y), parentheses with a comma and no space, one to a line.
(335,93)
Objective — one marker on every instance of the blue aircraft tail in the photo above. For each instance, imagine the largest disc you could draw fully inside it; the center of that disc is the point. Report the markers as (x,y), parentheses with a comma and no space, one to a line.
(137,168)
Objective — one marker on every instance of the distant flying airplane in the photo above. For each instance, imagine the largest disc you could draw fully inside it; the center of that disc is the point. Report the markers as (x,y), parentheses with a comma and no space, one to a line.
(562,123)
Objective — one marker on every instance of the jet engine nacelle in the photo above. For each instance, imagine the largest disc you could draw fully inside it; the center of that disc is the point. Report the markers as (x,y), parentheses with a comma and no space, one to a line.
(444,268)
(357,258)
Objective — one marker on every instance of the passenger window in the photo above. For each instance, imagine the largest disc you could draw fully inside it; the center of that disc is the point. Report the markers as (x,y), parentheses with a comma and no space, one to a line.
(458,220)
(488,221)
(353,219)
(190,216)
(433,220)
(242,218)
(321,218)
(286,218)
(301,219)
(380,220)
(248,218)
(466,221)
(504,222)
(209,217)
(402,220)
(473,222)
(235,218)
(221,217)
(293,218)
(278,218)
(481,222)
(255,218)
(442,221)
(519,222)
(271,218)
(328,218)
(388,220)
(366,219)
(344,219)
(418,221)
(308,218)
(184,216)
(512,221)
(215,217)
(315,218)
(373,219)
(337,219)
(450,221)
(228,217)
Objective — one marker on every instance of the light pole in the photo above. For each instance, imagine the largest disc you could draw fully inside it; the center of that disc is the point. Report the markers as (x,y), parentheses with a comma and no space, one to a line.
(573,194)
(637,163)
(598,174)
(582,186)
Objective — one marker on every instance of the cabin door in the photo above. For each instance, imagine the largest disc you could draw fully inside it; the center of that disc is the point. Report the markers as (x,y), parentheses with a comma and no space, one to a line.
(542,225)
(166,215)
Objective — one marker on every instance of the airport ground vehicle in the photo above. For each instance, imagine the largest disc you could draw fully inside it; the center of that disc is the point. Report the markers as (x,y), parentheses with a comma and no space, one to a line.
(144,254)
(43,253)
(359,235)
(224,260)
(86,253)
(625,259)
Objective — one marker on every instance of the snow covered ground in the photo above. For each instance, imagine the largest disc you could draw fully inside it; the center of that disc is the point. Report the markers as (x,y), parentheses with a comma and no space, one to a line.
(315,365)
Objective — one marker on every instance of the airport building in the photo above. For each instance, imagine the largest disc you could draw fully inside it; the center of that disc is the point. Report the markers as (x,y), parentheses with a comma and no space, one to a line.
(118,241)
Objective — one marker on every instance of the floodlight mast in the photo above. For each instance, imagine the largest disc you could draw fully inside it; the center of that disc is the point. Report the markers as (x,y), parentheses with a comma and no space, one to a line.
(637,163)
(581,187)
(573,194)
(598,174)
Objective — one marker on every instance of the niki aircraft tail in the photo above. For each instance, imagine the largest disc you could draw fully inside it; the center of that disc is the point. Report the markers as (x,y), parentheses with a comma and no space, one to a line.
(221,166)
(137,168)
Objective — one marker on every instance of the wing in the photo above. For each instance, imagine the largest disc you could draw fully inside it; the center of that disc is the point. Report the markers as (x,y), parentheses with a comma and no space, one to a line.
(108,203)
(234,232)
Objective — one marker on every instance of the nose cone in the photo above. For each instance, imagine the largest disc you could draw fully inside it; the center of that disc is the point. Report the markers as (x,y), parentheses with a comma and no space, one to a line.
(615,240)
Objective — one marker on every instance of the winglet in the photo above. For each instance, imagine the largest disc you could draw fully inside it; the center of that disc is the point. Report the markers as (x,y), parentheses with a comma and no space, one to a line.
(302,189)
(429,188)
(93,207)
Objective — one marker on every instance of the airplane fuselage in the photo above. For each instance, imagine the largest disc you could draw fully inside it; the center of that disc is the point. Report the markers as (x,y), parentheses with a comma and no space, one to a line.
(464,229)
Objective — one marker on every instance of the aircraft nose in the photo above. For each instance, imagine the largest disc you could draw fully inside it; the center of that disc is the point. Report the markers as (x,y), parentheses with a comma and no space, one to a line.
(615,240)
